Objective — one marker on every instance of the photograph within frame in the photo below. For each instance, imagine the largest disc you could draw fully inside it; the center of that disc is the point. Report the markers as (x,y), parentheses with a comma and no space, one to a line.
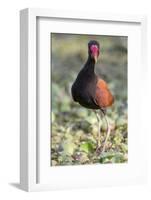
(74,129)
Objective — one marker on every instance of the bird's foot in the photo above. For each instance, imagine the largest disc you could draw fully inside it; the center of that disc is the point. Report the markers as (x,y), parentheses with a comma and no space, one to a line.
(98,149)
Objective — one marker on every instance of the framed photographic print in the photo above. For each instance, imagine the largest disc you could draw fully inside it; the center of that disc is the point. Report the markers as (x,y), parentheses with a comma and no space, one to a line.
(82,77)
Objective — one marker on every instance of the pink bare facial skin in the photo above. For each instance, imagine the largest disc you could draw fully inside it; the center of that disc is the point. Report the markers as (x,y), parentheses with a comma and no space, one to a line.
(95,52)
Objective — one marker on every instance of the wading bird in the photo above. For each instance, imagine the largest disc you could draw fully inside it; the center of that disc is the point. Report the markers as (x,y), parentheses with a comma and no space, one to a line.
(92,92)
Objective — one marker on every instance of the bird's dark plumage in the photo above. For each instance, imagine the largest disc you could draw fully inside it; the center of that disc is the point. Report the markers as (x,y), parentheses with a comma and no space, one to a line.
(88,89)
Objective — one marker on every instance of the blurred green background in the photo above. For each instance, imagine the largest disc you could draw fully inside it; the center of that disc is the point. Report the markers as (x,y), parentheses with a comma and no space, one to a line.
(74,129)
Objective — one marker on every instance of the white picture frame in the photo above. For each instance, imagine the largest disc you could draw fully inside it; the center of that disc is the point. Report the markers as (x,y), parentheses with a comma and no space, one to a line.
(31,167)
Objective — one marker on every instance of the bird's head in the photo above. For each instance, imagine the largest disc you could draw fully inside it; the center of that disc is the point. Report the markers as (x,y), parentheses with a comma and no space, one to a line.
(94,50)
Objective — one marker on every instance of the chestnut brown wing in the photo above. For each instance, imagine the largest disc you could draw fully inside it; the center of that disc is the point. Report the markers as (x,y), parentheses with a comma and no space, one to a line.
(103,96)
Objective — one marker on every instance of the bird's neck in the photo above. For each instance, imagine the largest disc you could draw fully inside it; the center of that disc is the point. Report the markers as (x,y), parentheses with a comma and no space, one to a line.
(89,66)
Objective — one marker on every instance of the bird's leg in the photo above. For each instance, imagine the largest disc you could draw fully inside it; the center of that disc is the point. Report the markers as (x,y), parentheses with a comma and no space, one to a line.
(99,119)
(108,131)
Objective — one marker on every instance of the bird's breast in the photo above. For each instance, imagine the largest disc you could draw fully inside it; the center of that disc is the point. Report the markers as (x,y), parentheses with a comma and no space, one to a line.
(84,93)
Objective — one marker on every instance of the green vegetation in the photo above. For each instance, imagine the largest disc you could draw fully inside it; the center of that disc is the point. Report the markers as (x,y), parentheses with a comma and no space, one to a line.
(74,129)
